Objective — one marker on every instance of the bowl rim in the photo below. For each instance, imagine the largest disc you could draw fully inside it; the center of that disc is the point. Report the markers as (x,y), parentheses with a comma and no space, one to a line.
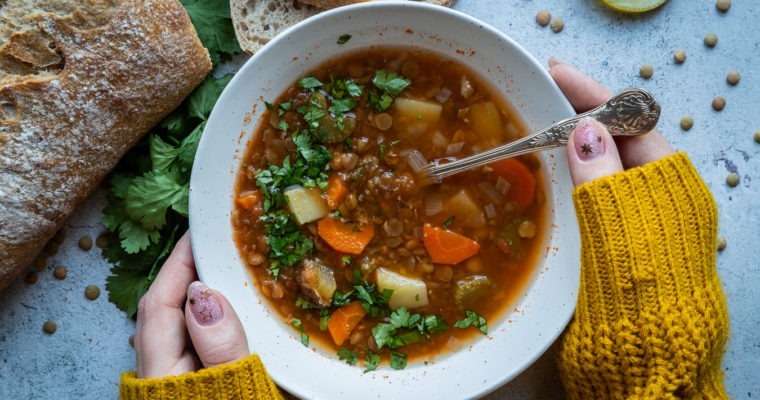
(207,273)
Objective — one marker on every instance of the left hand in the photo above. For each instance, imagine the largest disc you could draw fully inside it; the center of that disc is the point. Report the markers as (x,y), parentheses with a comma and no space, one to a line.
(170,341)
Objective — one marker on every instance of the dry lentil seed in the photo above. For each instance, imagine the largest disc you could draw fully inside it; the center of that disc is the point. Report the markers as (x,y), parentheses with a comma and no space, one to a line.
(558,25)
(85,243)
(718,103)
(60,272)
(732,179)
(49,327)
(721,245)
(733,77)
(91,292)
(723,5)
(686,122)
(59,237)
(679,56)
(646,71)
(543,17)
(132,340)
(40,264)
(757,137)
(103,241)
(711,40)
(31,278)
(51,248)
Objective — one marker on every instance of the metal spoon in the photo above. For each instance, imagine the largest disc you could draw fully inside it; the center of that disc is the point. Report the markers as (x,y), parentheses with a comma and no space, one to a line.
(632,112)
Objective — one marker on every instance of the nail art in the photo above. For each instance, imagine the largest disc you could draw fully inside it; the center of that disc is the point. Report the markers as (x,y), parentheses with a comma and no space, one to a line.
(588,140)
(203,304)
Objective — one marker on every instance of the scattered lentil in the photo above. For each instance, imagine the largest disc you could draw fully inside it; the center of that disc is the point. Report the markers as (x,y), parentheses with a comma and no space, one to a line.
(49,327)
(718,103)
(60,272)
(733,78)
(757,137)
(721,245)
(132,340)
(51,248)
(679,56)
(40,264)
(557,25)
(732,179)
(543,17)
(711,40)
(31,278)
(723,5)
(646,71)
(686,122)
(103,240)
(85,243)
(59,237)
(92,292)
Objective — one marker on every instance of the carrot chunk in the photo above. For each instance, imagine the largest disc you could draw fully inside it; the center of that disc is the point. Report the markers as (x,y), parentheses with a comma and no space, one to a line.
(337,190)
(349,238)
(344,320)
(250,201)
(522,183)
(446,247)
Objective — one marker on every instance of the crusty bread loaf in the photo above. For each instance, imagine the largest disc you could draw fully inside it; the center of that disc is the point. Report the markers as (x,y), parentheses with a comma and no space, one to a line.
(257,22)
(80,82)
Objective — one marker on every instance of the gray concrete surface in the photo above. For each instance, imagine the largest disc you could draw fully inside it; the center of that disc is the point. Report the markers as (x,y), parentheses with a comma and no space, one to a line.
(84,358)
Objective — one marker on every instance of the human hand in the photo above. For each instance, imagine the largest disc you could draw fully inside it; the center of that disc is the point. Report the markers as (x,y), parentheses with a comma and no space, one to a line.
(169,341)
(591,151)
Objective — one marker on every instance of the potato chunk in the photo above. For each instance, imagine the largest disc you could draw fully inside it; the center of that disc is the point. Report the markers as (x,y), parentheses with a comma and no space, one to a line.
(407,292)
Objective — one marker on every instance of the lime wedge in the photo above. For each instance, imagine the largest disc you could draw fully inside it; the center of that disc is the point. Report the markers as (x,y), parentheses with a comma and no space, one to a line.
(633,6)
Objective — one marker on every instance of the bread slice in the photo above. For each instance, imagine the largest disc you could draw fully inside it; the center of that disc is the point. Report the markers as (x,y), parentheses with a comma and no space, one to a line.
(257,22)
(80,82)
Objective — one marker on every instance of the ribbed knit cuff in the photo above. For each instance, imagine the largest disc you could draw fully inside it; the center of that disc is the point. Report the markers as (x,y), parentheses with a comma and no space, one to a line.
(651,319)
(245,379)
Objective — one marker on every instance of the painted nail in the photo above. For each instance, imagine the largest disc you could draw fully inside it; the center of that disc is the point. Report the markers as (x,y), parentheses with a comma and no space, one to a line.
(203,304)
(588,140)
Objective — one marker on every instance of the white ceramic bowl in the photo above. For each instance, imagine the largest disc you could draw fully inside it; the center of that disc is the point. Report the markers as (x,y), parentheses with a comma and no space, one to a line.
(517,338)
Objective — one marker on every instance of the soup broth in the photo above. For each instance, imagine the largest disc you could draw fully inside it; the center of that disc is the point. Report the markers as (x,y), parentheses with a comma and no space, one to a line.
(345,243)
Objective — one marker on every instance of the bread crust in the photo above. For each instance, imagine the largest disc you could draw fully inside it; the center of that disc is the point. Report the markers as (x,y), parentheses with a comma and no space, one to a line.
(69,114)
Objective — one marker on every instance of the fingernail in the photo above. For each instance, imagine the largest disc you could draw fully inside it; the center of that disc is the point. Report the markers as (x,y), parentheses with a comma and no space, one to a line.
(554,61)
(588,140)
(203,304)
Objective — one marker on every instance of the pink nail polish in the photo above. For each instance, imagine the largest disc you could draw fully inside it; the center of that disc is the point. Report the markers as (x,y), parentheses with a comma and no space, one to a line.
(588,140)
(203,304)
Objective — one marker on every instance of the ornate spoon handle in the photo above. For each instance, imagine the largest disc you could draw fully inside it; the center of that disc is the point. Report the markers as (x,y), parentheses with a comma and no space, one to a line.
(630,113)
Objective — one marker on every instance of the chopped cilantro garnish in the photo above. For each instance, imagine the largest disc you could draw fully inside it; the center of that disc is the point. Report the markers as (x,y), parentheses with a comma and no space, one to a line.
(398,360)
(309,82)
(371,360)
(472,319)
(347,355)
(344,38)
(304,337)
(446,224)
(389,85)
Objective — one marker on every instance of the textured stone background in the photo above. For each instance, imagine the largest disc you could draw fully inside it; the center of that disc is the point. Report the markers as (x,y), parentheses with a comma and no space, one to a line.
(83,359)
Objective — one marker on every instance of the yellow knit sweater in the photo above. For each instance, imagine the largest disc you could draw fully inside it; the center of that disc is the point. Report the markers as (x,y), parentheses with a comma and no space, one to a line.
(651,320)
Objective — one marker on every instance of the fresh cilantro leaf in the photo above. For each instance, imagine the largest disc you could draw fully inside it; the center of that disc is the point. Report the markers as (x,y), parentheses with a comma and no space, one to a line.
(344,38)
(188,148)
(309,82)
(126,287)
(338,107)
(324,315)
(347,355)
(435,324)
(446,224)
(398,360)
(213,24)
(371,360)
(162,154)
(472,319)
(202,100)
(151,195)
(135,238)
(390,86)
(383,334)
(298,325)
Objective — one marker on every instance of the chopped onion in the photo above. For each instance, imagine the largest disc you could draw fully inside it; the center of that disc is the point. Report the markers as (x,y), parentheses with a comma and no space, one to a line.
(433,203)
(439,140)
(491,192)
(490,210)
(443,95)
(503,186)
(393,227)
(454,344)
(454,148)
(416,160)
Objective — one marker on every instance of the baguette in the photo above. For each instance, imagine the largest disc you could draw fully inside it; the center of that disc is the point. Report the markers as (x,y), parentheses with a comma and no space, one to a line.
(80,82)
(257,22)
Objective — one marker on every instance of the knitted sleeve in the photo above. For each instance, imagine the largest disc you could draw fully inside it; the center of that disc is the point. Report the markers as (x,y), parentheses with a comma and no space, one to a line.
(651,319)
(244,380)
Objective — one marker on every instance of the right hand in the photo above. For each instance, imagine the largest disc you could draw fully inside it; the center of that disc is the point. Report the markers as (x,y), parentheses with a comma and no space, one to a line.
(591,151)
